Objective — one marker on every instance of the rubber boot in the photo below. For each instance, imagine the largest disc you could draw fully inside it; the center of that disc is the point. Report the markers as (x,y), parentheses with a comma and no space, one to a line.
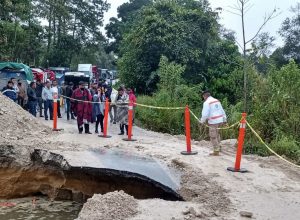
(87,129)
(121,129)
(80,129)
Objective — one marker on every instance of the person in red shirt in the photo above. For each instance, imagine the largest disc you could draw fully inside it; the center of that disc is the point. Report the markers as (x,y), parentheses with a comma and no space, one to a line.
(81,108)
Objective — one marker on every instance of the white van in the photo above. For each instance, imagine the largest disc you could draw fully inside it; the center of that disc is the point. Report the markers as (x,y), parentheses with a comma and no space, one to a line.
(87,69)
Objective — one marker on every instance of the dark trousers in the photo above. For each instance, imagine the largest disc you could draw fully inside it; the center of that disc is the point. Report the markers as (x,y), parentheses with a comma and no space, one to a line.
(58,108)
(123,127)
(40,103)
(32,107)
(48,105)
(99,119)
(68,104)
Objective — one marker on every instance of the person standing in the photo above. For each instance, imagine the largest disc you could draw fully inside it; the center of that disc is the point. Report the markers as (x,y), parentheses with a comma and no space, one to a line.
(99,108)
(113,107)
(38,91)
(63,98)
(213,114)
(82,107)
(32,99)
(132,99)
(21,94)
(15,84)
(93,91)
(69,92)
(9,91)
(56,90)
(122,100)
(47,97)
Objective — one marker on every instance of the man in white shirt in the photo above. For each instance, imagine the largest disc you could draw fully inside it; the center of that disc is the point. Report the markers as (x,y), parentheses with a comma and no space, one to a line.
(56,92)
(214,114)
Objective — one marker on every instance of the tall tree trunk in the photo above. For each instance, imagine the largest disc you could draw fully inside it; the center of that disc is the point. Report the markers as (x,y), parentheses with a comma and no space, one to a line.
(13,51)
(49,27)
(245,57)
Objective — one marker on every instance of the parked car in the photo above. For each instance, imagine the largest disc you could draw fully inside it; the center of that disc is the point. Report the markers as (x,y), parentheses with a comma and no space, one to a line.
(76,77)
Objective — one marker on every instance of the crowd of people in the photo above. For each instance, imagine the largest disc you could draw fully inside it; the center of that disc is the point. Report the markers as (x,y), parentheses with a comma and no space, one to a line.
(83,103)
(87,105)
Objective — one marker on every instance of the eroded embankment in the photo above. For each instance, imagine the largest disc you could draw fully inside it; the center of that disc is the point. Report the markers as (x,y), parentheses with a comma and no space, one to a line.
(48,173)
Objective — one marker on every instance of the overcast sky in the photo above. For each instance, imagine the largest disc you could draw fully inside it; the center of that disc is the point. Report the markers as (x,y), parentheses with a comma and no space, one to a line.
(254,17)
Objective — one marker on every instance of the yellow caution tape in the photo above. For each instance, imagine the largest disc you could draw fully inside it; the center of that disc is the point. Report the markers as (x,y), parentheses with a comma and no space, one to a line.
(159,107)
(223,128)
(142,105)
(78,100)
(272,151)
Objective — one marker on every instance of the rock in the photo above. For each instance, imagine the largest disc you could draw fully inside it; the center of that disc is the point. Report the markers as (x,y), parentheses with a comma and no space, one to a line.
(186,212)
(192,211)
(246,214)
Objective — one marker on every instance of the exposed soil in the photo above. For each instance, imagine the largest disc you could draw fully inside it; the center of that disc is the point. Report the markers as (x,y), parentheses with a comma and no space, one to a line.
(111,206)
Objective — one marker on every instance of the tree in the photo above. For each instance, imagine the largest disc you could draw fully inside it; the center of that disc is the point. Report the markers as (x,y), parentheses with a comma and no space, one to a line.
(290,32)
(186,32)
(261,51)
(117,26)
(240,9)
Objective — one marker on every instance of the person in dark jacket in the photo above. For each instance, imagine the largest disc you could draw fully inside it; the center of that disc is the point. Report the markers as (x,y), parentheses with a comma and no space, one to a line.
(69,92)
(32,98)
(9,91)
(38,91)
(99,108)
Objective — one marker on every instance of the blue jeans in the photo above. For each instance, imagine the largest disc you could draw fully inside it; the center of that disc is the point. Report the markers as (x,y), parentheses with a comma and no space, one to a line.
(32,107)
(48,105)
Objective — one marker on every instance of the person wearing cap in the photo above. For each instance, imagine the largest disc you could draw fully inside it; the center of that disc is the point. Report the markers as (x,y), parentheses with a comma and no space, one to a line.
(82,107)
(213,114)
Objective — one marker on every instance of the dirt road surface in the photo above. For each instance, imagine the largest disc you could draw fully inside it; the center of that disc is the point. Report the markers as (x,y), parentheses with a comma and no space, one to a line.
(271,190)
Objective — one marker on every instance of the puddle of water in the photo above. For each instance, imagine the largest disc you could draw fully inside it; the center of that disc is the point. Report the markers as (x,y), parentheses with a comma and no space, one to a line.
(42,210)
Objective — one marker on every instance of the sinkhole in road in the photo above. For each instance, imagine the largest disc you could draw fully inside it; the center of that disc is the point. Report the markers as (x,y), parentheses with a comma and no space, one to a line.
(77,176)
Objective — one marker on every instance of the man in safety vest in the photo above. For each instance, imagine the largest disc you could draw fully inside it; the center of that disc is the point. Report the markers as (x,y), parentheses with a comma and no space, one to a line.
(214,114)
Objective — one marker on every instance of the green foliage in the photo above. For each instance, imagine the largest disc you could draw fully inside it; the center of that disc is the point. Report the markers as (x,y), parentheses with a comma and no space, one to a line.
(276,106)
(276,110)
(186,32)
(72,27)
(117,26)
(173,92)
(288,147)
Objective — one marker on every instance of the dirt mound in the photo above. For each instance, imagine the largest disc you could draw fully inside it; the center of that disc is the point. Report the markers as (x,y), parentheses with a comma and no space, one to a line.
(111,206)
(18,126)
(200,188)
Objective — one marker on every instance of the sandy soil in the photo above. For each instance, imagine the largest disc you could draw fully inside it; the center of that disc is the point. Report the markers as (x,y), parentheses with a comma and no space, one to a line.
(271,190)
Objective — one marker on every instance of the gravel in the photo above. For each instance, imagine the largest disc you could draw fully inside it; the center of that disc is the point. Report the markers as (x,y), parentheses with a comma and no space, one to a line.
(111,206)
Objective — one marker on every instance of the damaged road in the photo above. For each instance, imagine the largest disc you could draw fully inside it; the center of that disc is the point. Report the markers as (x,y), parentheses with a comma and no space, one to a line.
(51,174)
